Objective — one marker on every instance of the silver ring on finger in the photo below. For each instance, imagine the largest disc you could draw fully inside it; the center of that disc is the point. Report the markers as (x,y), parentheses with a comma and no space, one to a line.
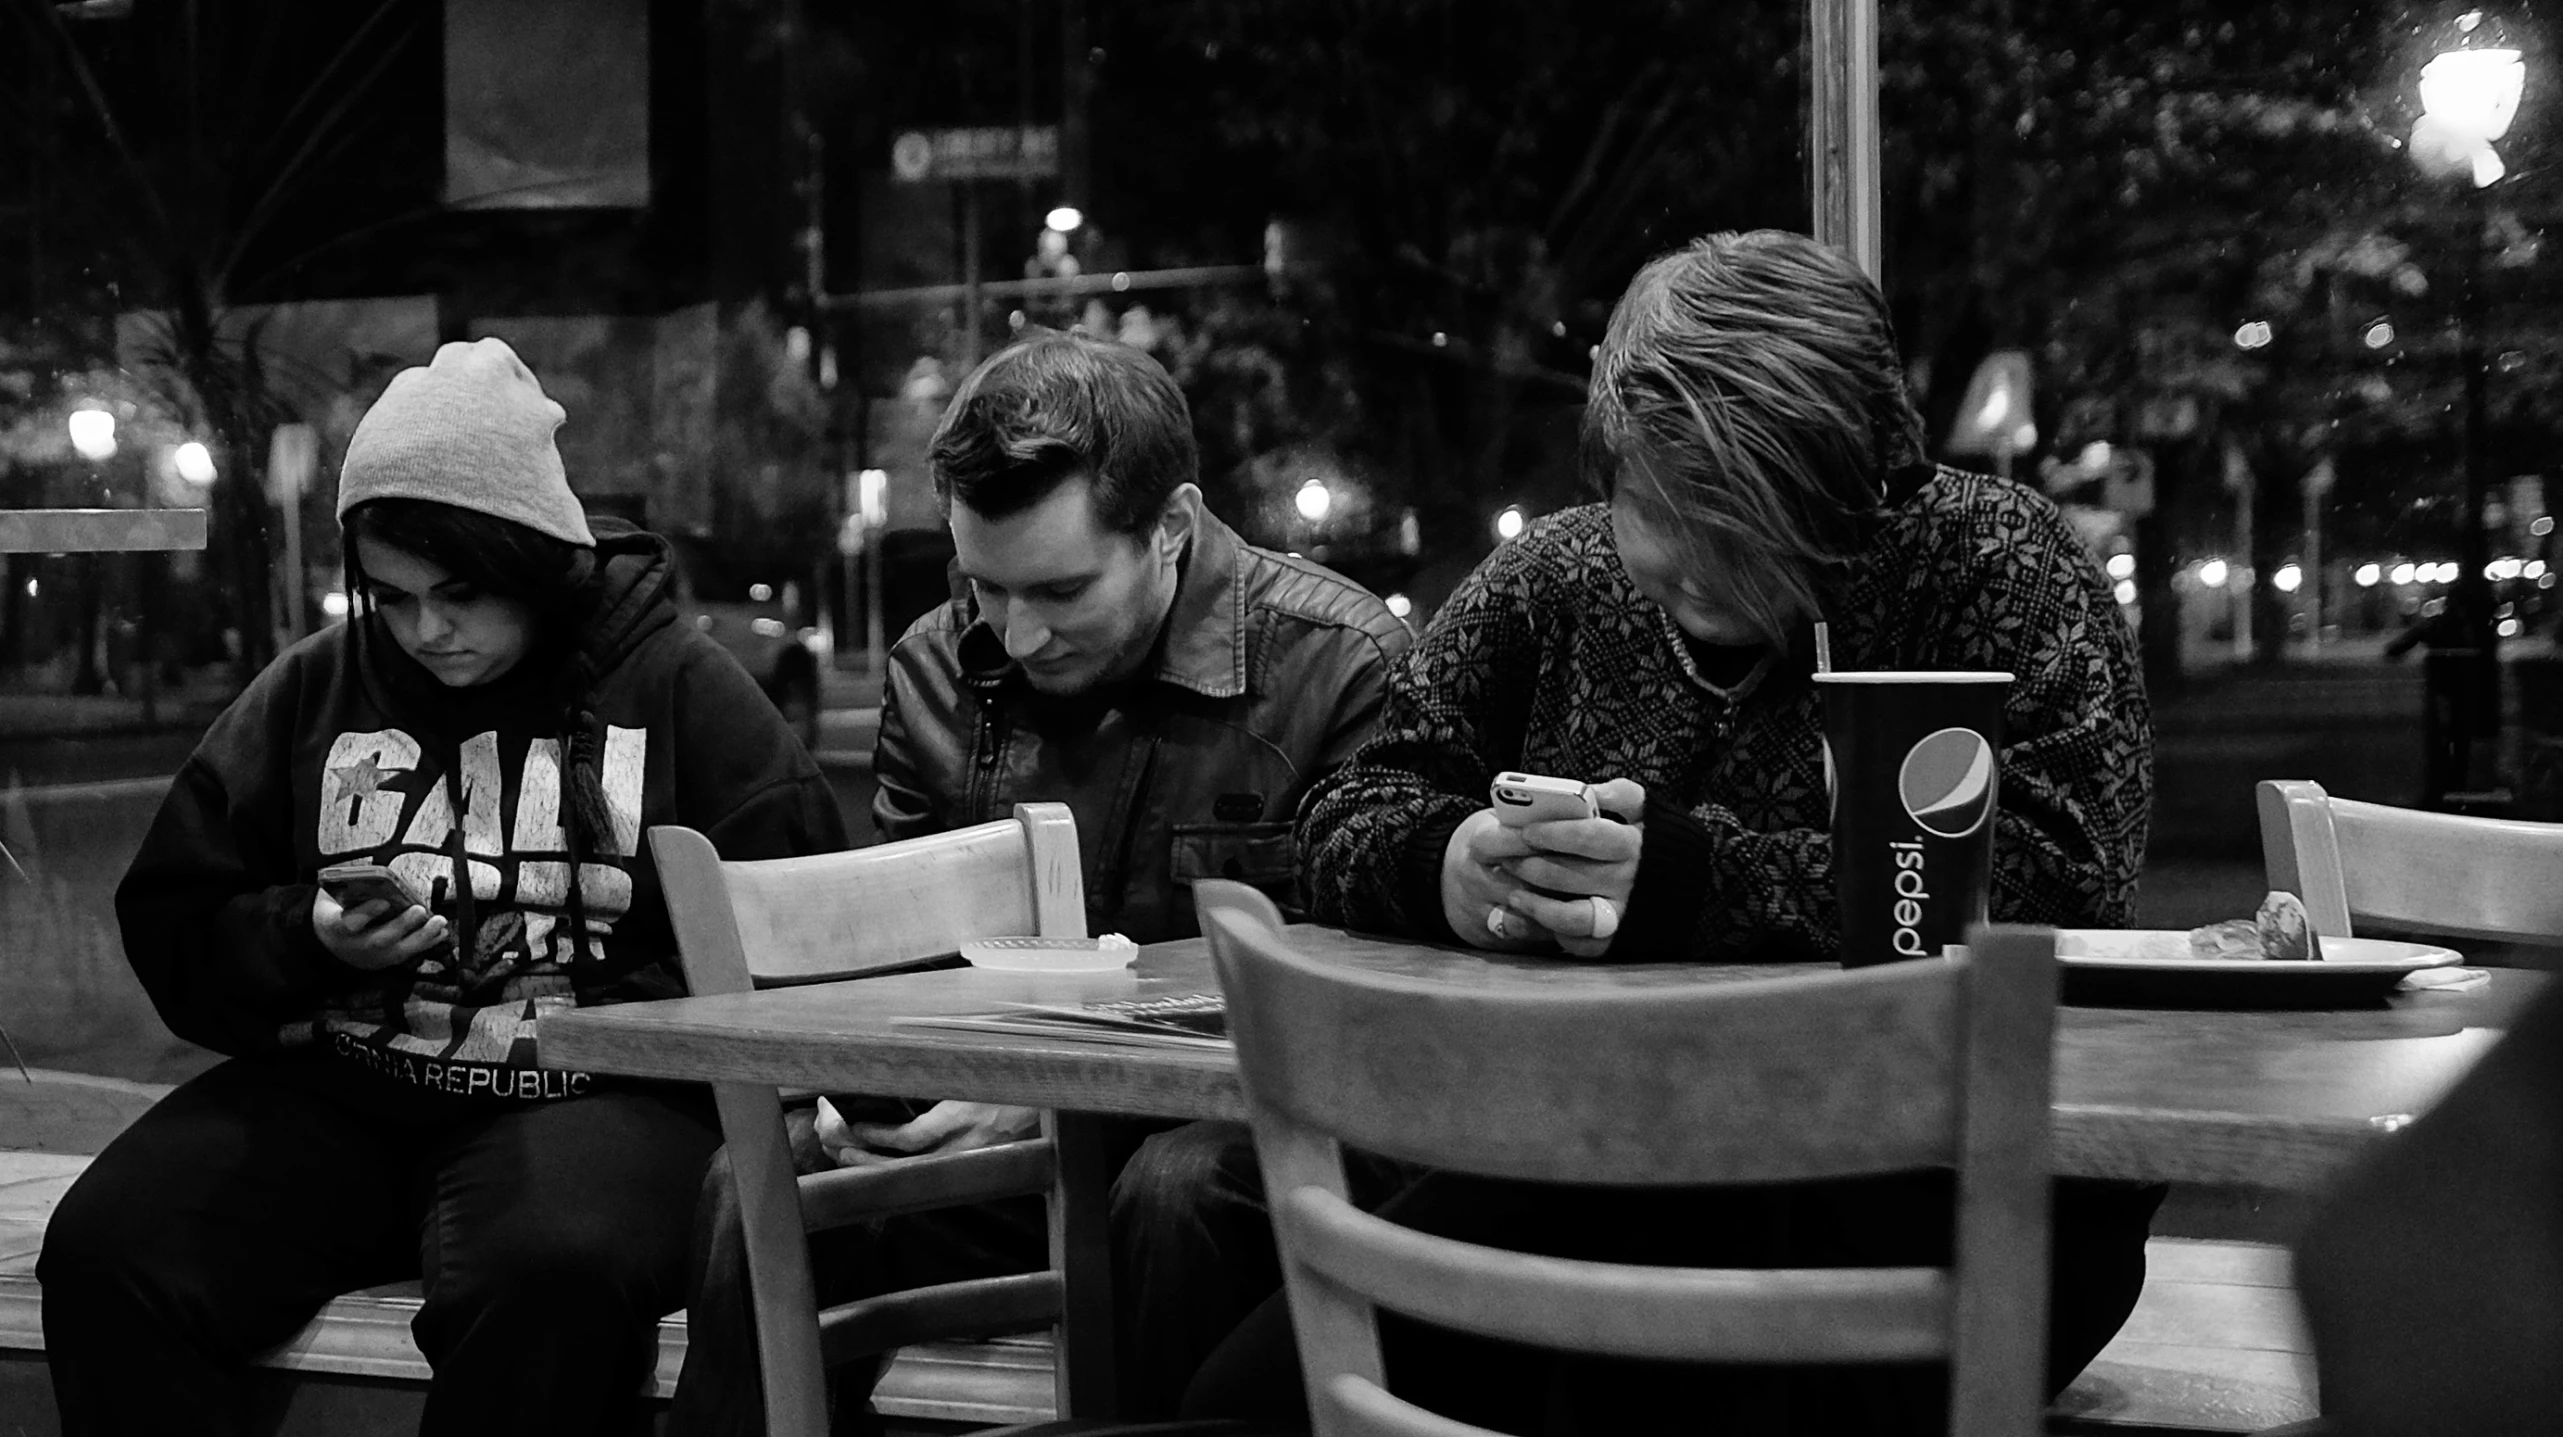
(1606,916)
(1496,917)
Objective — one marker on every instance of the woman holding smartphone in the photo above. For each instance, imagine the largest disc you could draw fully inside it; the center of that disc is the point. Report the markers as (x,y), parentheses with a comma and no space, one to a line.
(510,706)
(1758,468)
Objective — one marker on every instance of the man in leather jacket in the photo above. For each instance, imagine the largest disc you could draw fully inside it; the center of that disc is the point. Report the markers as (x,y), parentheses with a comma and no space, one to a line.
(1113,646)
(1118,649)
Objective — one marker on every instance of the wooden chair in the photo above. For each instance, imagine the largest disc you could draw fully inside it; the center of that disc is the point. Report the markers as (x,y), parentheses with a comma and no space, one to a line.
(1877,1070)
(790,920)
(2411,871)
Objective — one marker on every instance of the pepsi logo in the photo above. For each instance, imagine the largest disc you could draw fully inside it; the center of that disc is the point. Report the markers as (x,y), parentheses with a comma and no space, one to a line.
(1947,782)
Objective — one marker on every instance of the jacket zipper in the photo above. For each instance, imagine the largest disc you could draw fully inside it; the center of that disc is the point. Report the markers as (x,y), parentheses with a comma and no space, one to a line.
(983,771)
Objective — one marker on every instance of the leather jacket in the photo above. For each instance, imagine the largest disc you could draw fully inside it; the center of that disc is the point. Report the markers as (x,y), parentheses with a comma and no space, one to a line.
(1270,672)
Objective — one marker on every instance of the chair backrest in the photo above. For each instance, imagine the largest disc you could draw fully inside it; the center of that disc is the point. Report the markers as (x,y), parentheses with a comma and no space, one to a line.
(2408,870)
(834,915)
(839,915)
(1936,1063)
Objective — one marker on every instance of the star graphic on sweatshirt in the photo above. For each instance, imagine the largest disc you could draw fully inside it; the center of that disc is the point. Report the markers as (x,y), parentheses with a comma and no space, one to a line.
(359,780)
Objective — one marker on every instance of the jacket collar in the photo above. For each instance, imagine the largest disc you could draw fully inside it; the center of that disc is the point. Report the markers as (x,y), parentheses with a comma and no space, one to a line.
(1204,647)
(1203,644)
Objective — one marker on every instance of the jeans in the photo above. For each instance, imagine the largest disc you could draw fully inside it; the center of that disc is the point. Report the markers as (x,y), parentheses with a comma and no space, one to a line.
(549,1237)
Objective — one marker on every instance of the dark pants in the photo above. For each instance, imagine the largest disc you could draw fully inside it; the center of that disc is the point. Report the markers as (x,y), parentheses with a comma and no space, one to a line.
(550,1238)
(2097,1272)
(1192,1256)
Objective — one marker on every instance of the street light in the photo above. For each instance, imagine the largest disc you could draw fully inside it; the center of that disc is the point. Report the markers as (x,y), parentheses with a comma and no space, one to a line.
(1508,525)
(2469,94)
(1313,500)
(2470,91)
(194,463)
(93,433)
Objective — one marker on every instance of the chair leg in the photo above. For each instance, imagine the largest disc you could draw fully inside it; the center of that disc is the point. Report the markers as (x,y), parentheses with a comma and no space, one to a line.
(1081,1250)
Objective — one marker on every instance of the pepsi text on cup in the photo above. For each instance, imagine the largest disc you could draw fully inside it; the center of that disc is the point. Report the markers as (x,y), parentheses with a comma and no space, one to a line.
(1916,772)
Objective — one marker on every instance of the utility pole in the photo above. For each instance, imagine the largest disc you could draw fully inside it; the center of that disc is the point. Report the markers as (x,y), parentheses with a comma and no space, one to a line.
(1076,96)
(1842,148)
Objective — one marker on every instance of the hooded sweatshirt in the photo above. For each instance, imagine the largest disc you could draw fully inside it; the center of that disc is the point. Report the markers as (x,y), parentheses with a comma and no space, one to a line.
(346,749)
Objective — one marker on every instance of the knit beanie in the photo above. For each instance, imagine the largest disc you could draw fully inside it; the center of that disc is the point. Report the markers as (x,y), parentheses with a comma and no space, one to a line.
(472,429)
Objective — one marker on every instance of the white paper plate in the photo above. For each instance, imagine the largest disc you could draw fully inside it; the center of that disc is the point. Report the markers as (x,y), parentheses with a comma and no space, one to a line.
(2104,964)
(1107,954)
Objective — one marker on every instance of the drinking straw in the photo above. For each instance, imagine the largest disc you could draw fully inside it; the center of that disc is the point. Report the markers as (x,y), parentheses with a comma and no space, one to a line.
(1823,648)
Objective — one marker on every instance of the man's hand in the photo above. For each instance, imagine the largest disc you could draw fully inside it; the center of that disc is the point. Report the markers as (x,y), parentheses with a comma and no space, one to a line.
(947,1127)
(371,937)
(1573,861)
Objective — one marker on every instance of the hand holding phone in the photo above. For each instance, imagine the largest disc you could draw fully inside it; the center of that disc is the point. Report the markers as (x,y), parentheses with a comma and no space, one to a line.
(361,935)
(1526,798)
(1536,867)
(355,883)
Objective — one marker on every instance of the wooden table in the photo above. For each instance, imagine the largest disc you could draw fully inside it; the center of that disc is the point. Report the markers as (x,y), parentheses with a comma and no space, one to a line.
(2269,1099)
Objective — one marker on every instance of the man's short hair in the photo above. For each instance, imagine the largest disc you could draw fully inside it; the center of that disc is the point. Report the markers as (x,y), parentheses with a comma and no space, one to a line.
(1051,407)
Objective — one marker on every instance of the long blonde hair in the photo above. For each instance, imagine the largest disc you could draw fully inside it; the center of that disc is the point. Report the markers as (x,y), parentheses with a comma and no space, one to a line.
(1750,384)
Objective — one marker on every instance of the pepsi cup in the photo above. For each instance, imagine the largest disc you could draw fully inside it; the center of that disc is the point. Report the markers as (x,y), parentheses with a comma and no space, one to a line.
(1914,764)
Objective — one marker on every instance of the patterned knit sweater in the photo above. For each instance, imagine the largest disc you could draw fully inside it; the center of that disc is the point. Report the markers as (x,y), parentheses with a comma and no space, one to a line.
(1548,660)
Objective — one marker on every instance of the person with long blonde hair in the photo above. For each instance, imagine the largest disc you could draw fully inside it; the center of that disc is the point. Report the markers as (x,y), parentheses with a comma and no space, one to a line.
(1759,468)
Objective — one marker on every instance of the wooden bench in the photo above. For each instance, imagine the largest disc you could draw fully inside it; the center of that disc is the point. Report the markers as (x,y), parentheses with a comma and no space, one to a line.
(2214,1345)
(361,1371)
(356,1369)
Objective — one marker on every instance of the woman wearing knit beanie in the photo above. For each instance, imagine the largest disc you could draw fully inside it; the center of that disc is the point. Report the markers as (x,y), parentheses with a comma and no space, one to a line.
(510,706)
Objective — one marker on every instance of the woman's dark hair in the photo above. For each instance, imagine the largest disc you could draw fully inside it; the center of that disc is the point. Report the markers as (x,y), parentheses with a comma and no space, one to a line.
(1051,407)
(551,576)
(555,579)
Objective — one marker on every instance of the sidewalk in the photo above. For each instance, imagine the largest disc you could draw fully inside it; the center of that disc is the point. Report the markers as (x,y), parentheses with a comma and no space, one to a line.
(31,709)
(2349,722)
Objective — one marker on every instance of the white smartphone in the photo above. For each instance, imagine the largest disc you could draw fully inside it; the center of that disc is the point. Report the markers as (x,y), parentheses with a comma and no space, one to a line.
(1520,798)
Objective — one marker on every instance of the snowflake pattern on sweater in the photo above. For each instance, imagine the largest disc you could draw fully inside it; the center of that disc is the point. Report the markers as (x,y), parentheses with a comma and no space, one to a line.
(1548,660)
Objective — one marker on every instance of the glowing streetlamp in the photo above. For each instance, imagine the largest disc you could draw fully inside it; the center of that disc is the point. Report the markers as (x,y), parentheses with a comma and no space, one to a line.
(194,463)
(93,433)
(2470,92)
(1508,525)
(1313,501)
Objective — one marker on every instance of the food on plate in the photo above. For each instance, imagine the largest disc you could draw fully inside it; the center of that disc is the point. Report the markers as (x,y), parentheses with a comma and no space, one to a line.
(2286,929)
(2280,931)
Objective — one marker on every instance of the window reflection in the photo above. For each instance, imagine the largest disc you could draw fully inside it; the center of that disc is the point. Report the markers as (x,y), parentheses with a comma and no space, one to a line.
(2262,297)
